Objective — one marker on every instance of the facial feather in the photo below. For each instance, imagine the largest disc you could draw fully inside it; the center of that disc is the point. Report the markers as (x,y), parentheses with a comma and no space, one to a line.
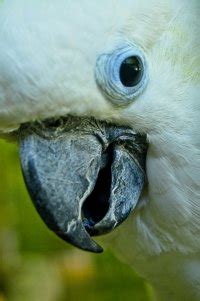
(45,58)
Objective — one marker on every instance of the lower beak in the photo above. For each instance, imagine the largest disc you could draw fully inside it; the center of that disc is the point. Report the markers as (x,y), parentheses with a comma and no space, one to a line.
(84,176)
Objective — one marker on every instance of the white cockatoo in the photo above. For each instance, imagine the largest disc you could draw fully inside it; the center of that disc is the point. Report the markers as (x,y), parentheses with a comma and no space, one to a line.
(104,99)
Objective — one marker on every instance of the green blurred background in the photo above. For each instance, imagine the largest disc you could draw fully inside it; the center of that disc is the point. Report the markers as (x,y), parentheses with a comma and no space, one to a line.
(35,265)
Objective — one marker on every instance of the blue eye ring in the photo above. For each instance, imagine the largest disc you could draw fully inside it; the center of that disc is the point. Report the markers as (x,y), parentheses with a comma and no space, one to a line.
(108,75)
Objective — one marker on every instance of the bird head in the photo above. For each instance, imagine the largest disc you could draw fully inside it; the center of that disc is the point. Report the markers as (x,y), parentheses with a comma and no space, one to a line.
(102,97)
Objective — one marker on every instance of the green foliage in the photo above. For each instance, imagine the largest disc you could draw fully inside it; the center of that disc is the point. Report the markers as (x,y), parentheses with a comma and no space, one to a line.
(35,265)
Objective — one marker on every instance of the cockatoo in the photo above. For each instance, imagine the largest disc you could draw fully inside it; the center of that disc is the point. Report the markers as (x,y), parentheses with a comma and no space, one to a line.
(104,99)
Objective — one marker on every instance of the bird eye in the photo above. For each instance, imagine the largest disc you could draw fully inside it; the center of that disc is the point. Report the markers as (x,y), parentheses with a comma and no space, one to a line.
(131,71)
(122,74)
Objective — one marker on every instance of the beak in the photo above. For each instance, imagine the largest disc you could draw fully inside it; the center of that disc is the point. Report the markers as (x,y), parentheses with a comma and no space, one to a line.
(84,176)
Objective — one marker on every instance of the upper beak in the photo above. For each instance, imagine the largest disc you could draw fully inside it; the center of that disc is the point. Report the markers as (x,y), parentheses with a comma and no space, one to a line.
(84,176)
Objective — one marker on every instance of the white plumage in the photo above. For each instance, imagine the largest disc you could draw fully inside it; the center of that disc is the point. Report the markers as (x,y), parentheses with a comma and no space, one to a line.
(47,55)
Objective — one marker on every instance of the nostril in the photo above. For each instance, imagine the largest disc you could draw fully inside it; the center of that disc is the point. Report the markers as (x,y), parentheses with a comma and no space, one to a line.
(97,204)
(53,123)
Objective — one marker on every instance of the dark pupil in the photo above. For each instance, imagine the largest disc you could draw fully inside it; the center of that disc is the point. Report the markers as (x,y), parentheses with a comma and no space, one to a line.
(131,71)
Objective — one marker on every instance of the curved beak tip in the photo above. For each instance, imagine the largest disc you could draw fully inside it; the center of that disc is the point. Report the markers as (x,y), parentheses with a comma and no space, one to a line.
(94,247)
(80,238)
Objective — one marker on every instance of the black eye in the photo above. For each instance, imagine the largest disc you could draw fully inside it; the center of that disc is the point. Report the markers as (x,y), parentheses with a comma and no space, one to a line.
(122,74)
(131,71)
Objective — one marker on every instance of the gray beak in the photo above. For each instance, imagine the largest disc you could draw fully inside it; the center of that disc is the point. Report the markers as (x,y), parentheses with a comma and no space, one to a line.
(84,176)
